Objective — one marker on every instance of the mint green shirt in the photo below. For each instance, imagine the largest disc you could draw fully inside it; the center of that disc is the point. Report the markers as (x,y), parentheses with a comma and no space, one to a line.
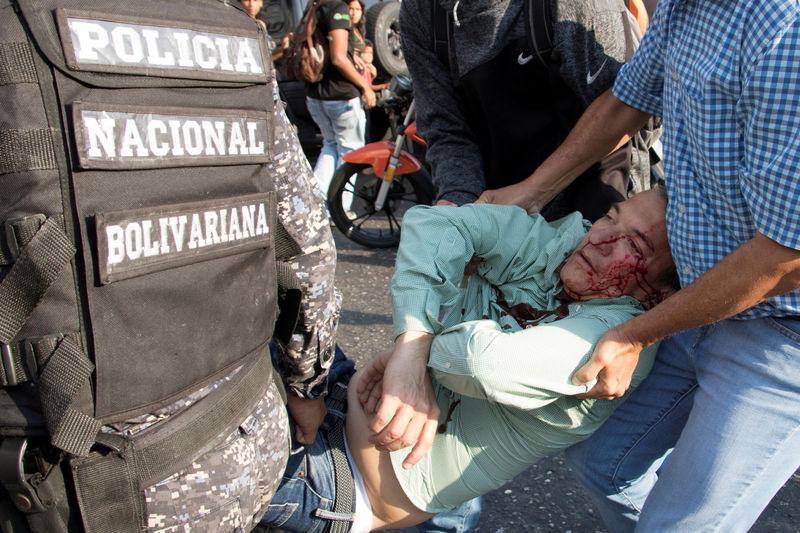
(501,364)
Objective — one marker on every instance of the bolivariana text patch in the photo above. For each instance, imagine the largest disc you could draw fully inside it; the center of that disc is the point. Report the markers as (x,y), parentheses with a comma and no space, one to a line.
(134,242)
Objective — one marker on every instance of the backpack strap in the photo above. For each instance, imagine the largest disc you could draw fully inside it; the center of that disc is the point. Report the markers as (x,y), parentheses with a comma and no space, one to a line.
(442,30)
(539,23)
(27,149)
(30,148)
(41,250)
(310,22)
(64,381)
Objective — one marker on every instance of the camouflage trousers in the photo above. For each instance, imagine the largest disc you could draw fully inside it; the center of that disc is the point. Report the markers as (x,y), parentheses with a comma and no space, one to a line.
(228,487)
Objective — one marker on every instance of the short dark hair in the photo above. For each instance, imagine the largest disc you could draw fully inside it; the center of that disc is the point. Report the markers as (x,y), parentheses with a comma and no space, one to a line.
(670,278)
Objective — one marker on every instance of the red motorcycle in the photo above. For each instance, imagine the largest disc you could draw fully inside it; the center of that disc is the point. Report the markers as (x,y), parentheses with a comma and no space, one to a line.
(377,184)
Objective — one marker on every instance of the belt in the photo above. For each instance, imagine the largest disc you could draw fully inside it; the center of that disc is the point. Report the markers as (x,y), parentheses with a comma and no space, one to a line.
(344,503)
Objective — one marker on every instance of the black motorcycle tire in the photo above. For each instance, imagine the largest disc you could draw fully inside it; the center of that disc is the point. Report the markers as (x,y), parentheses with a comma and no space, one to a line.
(370,228)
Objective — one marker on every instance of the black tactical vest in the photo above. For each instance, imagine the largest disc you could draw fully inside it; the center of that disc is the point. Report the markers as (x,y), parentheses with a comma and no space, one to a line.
(137,258)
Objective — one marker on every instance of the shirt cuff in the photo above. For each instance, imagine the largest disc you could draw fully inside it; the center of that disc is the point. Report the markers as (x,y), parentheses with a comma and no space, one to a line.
(409,312)
(628,93)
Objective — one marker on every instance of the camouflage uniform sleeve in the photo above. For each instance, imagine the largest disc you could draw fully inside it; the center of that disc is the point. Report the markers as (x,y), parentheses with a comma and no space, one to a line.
(304,361)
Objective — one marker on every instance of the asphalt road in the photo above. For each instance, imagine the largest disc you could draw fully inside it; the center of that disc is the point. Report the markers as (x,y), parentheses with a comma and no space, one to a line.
(545,498)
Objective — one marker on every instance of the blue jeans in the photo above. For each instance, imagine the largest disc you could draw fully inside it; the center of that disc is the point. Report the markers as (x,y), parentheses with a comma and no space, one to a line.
(707,439)
(309,480)
(462,519)
(308,488)
(342,124)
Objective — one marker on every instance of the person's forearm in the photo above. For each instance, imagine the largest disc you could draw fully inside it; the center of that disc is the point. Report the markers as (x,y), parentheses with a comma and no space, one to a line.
(599,130)
(481,360)
(337,48)
(756,271)
(436,245)
(348,70)
(453,153)
(308,350)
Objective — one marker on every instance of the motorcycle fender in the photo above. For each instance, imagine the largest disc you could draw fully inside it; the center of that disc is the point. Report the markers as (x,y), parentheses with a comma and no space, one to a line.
(377,156)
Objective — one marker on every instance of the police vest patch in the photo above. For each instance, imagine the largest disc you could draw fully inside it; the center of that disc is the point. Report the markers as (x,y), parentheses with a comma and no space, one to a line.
(136,242)
(106,43)
(109,136)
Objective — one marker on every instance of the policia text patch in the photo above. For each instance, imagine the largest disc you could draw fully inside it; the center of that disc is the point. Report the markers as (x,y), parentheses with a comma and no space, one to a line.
(140,241)
(107,43)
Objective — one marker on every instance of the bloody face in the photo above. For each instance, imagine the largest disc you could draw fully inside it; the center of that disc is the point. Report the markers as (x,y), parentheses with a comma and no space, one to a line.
(625,253)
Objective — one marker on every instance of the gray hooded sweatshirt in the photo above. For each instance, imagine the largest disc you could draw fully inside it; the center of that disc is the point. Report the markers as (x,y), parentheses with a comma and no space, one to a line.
(490,115)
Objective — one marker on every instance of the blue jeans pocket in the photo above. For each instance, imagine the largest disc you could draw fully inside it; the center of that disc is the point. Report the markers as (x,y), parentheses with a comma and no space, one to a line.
(788,327)
(293,507)
(279,514)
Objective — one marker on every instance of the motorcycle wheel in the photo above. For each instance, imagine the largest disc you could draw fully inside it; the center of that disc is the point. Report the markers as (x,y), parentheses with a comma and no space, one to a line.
(360,222)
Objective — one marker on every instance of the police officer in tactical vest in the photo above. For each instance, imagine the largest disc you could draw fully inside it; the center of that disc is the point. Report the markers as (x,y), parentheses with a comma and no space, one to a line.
(160,229)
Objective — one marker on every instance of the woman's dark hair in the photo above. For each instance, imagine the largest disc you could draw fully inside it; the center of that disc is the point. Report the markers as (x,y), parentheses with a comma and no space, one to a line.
(362,24)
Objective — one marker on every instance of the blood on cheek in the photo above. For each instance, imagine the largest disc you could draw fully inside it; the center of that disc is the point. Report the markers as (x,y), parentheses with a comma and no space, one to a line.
(618,274)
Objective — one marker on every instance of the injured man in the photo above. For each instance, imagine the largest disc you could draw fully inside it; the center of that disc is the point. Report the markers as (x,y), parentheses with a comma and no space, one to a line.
(490,349)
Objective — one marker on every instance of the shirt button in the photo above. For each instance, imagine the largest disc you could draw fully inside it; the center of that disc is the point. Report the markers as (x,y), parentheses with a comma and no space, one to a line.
(447,365)
(681,209)
(687,269)
(577,308)
(675,75)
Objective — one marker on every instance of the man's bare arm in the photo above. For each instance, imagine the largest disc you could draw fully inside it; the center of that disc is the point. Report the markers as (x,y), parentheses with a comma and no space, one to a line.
(339,59)
(397,388)
(756,271)
(600,129)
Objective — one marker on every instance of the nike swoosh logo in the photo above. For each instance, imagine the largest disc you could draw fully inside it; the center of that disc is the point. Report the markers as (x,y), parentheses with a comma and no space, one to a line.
(521,59)
(591,77)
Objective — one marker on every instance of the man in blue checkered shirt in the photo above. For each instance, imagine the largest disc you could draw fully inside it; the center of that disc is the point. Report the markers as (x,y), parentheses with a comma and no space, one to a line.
(723,399)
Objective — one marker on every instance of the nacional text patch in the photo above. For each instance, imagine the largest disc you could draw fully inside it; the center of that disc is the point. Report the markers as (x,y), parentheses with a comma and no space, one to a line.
(112,136)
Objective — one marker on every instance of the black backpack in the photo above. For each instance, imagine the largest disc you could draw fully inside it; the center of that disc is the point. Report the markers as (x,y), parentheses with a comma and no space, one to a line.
(137,254)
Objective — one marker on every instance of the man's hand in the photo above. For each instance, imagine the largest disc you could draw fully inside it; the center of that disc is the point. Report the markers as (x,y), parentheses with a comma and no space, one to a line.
(308,415)
(407,413)
(613,361)
(370,384)
(446,202)
(519,194)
